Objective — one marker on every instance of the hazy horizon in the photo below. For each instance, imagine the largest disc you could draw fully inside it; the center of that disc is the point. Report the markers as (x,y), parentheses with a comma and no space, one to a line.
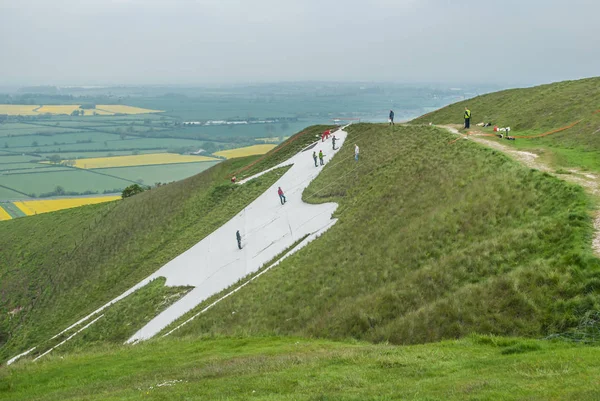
(222,42)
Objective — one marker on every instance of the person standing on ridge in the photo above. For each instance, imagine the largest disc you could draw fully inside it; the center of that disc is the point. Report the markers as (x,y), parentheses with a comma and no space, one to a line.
(281,195)
(333,141)
(315,158)
(391,117)
(239,239)
(321,157)
(356,151)
(467,118)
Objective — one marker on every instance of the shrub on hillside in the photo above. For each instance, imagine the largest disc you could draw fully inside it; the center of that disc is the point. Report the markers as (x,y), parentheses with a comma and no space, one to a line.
(132,190)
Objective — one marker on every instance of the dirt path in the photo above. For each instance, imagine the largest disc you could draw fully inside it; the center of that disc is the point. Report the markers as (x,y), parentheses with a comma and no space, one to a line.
(591,182)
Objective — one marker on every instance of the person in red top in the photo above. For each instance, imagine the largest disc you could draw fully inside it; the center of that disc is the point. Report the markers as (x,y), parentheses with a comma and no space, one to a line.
(281,195)
(325,135)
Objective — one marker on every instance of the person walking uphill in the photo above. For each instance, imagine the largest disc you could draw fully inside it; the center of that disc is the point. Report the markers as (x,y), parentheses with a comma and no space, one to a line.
(281,195)
(391,117)
(315,158)
(333,141)
(321,157)
(467,118)
(239,239)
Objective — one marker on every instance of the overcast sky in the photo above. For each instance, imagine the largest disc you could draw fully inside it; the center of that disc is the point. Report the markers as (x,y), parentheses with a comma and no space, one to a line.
(226,41)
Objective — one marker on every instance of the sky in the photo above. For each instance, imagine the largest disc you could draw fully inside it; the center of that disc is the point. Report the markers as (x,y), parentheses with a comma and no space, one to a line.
(131,42)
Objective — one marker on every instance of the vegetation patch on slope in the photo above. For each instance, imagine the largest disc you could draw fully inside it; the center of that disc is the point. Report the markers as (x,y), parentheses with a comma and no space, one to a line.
(433,242)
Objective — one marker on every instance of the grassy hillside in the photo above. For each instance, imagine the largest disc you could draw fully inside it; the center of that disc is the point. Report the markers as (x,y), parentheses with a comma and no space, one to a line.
(433,242)
(532,111)
(475,368)
(60,266)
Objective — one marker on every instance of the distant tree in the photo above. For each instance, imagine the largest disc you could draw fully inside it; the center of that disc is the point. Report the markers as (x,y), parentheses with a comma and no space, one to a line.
(131,190)
(59,190)
(75,113)
(54,159)
(130,129)
(34,143)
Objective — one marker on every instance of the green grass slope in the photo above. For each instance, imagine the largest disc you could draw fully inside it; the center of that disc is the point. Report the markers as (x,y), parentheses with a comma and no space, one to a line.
(474,368)
(433,242)
(58,267)
(532,111)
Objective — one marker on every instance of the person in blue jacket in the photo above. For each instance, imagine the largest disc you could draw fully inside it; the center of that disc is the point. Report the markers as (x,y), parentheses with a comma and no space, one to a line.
(391,117)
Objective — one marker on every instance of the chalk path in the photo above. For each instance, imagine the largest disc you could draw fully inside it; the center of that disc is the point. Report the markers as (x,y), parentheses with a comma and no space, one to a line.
(267,227)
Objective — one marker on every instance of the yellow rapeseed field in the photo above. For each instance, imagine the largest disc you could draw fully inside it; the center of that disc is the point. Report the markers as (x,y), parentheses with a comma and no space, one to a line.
(101,109)
(119,108)
(17,109)
(4,215)
(139,160)
(51,205)
(58,109)
(247,151)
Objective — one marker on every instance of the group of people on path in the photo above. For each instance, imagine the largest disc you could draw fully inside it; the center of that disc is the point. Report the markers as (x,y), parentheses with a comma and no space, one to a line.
(320,156)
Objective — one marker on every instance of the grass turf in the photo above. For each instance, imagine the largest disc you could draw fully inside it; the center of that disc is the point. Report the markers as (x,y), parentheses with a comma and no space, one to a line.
(474,368)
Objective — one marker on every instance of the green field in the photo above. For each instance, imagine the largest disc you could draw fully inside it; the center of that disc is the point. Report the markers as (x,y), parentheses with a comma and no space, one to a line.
(149,175)
(72,180)
(8,194)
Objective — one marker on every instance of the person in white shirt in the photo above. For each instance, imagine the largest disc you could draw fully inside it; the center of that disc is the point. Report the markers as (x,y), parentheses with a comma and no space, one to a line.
(356,150)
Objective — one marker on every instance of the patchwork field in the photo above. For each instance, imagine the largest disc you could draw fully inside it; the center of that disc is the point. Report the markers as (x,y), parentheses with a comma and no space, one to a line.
(4,214)
(139,160)
(245,151)
(44,206)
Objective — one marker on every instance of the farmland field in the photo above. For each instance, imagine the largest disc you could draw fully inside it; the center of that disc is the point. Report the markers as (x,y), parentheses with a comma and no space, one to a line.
(7,194)
(72,180)
(4,214)
(101,109)
(245,151)
(139,160)
(50,205)
(149,175)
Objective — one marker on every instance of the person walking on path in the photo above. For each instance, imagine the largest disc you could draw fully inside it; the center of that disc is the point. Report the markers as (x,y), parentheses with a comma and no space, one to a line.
(325,135)
(333,141)
(239,239)
(315,158)
(281,195)
(391,117)
(356,151)
(467,118)
(321,157)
